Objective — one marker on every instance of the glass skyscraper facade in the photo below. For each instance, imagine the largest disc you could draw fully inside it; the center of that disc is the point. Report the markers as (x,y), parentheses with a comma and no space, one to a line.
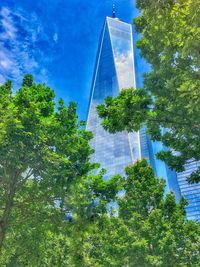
(190,191)
(114,71)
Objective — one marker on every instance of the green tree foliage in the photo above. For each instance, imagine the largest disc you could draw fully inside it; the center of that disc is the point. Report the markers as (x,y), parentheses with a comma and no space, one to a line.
(44,171)
(170,40)
(149,230)
(45,174)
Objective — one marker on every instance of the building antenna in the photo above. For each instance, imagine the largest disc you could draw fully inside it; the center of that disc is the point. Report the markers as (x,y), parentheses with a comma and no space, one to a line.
(113,11)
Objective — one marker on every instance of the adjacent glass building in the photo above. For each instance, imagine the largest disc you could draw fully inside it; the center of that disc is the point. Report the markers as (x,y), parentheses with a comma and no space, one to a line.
(114,71)
(190,191)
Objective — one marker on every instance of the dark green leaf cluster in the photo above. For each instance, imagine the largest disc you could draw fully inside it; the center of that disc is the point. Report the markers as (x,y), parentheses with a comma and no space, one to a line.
(130,103)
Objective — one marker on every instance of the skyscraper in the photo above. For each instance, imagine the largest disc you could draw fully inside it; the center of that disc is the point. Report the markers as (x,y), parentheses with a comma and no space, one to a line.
(114,71)
(190,191)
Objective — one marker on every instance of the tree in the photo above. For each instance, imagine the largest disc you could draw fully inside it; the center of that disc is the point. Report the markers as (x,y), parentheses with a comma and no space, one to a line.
(45,174)
(170,98)
(42,151)
(157,223)
(150,229)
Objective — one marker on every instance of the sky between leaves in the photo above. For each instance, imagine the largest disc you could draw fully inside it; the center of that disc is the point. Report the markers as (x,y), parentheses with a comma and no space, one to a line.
(56,41)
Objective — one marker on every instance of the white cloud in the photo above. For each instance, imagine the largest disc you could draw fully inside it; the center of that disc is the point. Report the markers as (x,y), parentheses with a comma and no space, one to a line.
(5,62)
(7,24)
(19,53)
(124,68)
(2,79)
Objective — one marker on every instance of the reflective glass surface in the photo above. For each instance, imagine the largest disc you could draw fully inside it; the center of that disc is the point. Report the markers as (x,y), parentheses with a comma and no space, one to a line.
(121,41)
(190,191)
(114,58)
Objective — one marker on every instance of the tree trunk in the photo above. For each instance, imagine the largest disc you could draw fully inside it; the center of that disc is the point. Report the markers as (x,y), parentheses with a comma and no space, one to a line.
(4,220)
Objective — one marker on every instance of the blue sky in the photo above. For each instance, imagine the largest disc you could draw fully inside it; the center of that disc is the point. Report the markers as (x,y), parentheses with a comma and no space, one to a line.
(56,41)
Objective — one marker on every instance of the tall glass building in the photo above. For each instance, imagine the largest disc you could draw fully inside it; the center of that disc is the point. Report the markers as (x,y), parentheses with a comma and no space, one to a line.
(190,191)
(116,69)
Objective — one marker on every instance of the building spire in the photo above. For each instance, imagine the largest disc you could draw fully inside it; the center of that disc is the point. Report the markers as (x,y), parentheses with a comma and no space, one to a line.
(113,11)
